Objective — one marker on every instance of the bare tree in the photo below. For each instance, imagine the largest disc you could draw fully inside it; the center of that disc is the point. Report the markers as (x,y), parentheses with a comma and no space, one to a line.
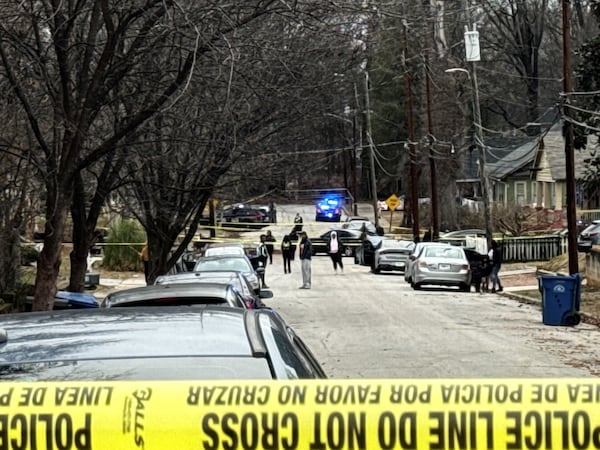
(69,62)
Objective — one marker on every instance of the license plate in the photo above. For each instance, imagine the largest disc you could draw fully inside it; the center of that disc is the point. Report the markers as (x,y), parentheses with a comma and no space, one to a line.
(444,266)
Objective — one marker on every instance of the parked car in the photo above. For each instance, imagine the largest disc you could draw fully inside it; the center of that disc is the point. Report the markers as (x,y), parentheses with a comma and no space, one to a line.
(408,272)
(329,209)
(178,343)
(230,262)
(349,239)
(366,250)
(242,215)
(233,277)
(392,254)
(442,265)
(176,295)
(68,300)
(588,237)
(357,218)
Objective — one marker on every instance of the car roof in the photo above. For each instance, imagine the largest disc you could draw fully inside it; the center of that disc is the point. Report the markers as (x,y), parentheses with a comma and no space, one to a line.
(134,343)
(342,233)
(194,277)
(231,262)
(173,294)
(224,244)
(395,243)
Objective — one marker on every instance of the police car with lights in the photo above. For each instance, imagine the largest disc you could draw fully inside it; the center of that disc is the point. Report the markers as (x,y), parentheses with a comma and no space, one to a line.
(329,209)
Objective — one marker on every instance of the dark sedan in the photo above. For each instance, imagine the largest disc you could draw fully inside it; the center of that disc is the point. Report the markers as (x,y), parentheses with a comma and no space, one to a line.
(232,277)
(178,343)
(176,295)
(349,239)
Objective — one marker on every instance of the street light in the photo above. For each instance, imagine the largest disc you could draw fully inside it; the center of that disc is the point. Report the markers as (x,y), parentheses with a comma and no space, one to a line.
(483,179)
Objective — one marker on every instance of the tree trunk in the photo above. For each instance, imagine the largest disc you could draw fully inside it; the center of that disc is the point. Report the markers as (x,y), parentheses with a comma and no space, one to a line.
(50,258)
(10,257)
(81,242)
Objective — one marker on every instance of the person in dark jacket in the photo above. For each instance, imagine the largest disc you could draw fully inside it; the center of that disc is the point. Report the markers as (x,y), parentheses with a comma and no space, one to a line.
(497,258)
(269,239)
(305,256)
(298,223)
(262,255)
(287,253)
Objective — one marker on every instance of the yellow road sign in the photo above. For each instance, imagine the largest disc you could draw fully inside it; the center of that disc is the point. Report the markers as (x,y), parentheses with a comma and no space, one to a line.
(392,201)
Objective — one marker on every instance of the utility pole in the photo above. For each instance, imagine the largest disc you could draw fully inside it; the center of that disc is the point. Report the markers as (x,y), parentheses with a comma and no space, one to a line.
(435,232)
(472,56)
(371,156)
(414,170)
(569,153)
(354,145)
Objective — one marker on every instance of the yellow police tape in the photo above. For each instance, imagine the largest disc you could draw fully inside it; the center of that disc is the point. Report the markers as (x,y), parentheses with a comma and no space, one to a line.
(320,414)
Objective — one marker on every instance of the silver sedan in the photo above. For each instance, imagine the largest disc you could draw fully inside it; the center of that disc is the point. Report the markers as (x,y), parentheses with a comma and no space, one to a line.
(442,265)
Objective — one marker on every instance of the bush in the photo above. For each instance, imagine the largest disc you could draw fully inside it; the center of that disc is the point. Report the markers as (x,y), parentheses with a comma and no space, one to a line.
(123,246)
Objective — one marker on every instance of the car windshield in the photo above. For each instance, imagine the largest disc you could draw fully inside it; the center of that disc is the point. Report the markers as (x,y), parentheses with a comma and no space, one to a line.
(241,264)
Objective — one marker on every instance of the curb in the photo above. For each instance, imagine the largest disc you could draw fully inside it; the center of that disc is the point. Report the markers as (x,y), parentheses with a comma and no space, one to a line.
(585,318)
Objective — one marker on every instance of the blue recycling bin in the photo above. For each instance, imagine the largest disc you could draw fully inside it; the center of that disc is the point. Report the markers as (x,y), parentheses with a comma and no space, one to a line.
(561,298)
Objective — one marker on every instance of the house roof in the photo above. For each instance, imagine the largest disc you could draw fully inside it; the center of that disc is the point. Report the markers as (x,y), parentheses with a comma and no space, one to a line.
(554,148)
(515,155)
(522,155)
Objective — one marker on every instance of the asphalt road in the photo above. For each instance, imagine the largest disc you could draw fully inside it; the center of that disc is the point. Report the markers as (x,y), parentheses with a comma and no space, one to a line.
(362,325)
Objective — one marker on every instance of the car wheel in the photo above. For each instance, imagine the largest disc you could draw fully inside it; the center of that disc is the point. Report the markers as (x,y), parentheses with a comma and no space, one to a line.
(465,288)
(416,286)
(376,270)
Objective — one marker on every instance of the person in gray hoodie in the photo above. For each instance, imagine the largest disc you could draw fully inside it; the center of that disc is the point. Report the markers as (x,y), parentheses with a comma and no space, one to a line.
(305,256)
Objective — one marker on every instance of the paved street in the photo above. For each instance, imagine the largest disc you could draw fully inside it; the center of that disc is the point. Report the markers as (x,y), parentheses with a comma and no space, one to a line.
(363,325)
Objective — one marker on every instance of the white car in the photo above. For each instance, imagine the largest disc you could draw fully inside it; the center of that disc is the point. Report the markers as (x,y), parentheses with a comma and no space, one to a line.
(442,265)
(408,273)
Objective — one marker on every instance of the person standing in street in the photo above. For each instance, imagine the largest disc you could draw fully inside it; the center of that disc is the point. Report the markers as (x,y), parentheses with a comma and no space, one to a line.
(145,258)
(496,260)
(334,248)
(305,256)
(286,252)
(270,246)
(262,255)
(297,223)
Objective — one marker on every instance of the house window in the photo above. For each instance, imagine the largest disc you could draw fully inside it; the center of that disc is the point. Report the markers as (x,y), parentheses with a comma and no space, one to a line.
(534,193)
(553,195)
(520,192)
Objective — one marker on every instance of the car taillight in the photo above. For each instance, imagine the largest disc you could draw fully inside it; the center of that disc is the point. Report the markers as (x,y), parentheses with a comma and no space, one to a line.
(593,233)
(249,304)
(422,264)
(465,267)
